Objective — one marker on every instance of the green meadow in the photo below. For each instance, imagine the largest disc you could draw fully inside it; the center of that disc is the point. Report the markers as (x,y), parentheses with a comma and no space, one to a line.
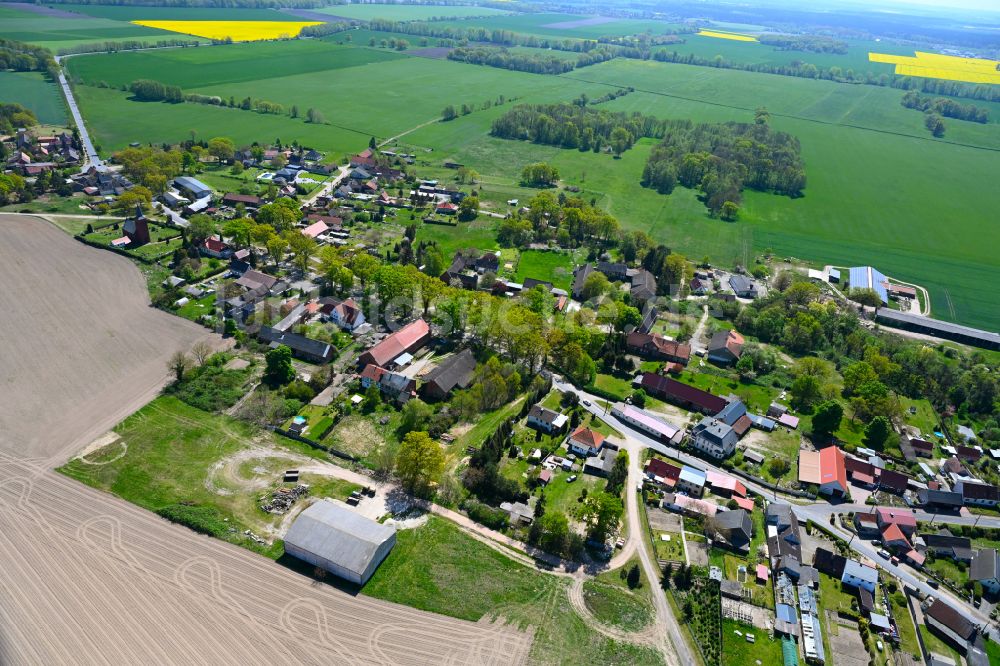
(57,32)
(145,13)
(34,92)
(564,26)
(880,189)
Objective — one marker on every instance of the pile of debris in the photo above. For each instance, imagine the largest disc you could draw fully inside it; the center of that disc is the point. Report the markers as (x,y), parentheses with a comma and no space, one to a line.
(282,499)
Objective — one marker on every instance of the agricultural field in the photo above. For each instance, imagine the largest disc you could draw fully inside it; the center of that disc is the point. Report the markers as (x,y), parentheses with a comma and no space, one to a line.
(62,29)
(565,26)
(367,12)
(33,91)
(237,31)
(129,13)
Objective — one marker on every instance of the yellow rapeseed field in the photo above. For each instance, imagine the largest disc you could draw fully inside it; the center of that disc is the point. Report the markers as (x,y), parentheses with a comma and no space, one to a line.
(719,34)
(938,66)
(238,31)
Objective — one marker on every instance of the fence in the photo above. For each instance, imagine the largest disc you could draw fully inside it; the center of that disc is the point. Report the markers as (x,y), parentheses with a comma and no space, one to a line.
(314,444)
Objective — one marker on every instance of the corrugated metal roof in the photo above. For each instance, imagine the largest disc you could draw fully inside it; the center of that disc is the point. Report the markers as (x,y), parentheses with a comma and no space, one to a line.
(339,535)
(866,277)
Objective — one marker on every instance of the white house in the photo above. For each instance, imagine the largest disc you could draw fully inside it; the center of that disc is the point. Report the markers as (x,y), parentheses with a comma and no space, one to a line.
(859,575)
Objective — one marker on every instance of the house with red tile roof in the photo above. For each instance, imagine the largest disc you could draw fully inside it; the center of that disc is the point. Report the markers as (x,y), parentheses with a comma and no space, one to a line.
(585,442)
(725,347)
(654,346)
(663,471)
(904,518)
(894,538)
(681,394)
(406,340)
(826,469)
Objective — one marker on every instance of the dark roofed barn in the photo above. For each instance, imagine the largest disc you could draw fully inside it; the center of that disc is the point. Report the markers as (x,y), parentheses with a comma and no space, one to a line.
(454,372)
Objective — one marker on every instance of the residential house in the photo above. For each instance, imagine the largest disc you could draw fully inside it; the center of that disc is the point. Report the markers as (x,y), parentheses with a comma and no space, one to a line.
(546,420)
(743,286)
(663,472)
(859,575)
(691,481)
(215,247)
(654,346)
(985,569)
(468,265)
(922,447)
(689,505)
(725,347)
(584,442)
(830,563)
(254,280)
(519,513)
(602,463)
(616,272)
(316,230)
(680,394)
(892,481)
(826,469)
(346,314)
(735,528)
(714,437)
(866,525)
(395,386)
(894,539)
(950,623)
(307,349)
(700,287)
(580,275)
(977,493)
(406,340)
(903,518)
(968,454)
(456,371)
(643,287)
(946,544)
(940,500)
(725,485)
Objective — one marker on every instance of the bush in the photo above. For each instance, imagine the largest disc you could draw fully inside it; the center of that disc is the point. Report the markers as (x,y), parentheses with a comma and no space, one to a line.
(299,390)
(203,519)
(487,516)
(210,387)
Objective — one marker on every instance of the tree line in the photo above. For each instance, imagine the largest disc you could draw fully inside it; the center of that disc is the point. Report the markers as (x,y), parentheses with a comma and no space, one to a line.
(812,43)
(722,159)
(241,4)
(13,116)
(577,126)
(125,45)
(505,59)
(948,108)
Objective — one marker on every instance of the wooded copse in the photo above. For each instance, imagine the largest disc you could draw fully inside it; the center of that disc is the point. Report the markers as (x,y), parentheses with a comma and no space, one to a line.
(722,159)
(811,43)
(948,108)
(21,57)
(577,126)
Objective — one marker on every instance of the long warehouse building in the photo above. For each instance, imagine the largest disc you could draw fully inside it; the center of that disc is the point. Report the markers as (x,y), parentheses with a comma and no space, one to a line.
(937,328)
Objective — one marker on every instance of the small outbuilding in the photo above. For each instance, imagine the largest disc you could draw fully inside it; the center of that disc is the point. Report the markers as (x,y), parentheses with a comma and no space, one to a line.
(333,537)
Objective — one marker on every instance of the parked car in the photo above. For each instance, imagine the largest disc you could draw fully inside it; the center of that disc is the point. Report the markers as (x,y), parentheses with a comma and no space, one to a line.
(933,583)
(586,403)
(571,479)
(884,554)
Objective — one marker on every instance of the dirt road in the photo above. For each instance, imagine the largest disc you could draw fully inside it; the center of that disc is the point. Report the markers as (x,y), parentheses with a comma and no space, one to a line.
(88,578)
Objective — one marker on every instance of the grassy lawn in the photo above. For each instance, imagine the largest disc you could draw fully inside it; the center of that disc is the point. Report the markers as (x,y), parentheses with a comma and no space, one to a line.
(621,387)
(484,427)
(948,569)
(613,603)
(936,644)
(925,419)
(554,267)
(163,458)
(672,550)
(834,597)
(195,308)
(907,632)
(736,651)
(756,397)
(560,495)
(437,568)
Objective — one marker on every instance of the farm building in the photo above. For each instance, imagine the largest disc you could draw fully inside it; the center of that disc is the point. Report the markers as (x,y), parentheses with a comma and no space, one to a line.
(406,340)
(314,351)
(939,329)
(826,469)
(340,541)
(194,187)
(652,345)
(950,623)
(866,277)
(454,372)
(645,422)
(680,394)
(725,347)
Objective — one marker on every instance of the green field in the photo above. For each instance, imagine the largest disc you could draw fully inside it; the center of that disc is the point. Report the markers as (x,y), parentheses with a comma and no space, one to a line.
(128,13)
(880,188)
(437,568)
(556,25)
(56,32)
(33,91)
(554,267)
(367,12)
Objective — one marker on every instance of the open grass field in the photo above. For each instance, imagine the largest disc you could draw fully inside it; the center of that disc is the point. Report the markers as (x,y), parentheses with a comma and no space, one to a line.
(436,567)
(34,92)
(367,12)
(737,652)
(554,267)
(565,26)
(145,13)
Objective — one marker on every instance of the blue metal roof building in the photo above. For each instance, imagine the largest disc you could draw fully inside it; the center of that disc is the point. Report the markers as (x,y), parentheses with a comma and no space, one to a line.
(866,277)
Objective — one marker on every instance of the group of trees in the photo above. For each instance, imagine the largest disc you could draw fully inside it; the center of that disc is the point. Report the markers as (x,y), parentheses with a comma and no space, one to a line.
(569,221)
(943,106)
(577,126)
(813,43)
(21,57)
(14,116)
(517,61)
(151,167)
(539,175)
(722,159)
(147,90)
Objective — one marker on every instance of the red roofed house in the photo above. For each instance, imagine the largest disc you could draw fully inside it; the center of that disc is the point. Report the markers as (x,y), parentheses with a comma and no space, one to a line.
(545,476)
(651,345)
(922,447)
(315,230)
(893,537)
(406,340)
(725,485)
(585,442)
(446,208)
(345,314)
(657,468)
(832,472)
(725,347)
(216,247)
(905,519)
(745,503)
